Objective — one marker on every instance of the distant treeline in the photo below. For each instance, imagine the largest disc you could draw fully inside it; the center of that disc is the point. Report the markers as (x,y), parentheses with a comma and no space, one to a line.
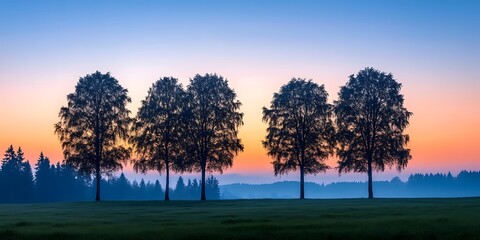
(465,184)
(120,188)
(61,182)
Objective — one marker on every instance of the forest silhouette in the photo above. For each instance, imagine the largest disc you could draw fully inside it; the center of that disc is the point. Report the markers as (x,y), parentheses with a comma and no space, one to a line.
(62,182)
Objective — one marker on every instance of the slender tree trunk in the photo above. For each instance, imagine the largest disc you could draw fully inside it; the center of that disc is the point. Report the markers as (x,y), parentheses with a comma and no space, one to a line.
(167,183)
(302,182)
(370,185)
(98,179)
(203,195)
(302,173)
(98,159)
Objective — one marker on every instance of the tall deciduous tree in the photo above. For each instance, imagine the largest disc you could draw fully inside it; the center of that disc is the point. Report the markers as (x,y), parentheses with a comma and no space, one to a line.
(158,129)
(212,120)
(371,120)
(93,125)
(300,133)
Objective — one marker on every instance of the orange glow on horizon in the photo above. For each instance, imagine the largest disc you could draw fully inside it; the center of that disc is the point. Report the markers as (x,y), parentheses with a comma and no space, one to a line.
(443,135)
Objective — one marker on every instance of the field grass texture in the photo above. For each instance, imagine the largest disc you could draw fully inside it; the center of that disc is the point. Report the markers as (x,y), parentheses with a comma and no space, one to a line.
(457,218)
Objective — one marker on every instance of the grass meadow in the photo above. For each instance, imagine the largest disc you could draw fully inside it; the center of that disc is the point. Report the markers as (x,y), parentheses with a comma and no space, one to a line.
(457,218)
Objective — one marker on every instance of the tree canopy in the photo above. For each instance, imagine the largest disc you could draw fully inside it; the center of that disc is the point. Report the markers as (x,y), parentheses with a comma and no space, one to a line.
(93,125)
(212,120)
(371,120)
(157,131)
(300,133)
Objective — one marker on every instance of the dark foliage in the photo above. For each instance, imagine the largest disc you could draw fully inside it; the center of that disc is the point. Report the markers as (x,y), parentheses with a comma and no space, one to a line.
(45,177)
(213,188)
(157,131)
(300,133)
(371,118)
(213,118)
(63,182)
(119,188)
(16,180)
(180,189)
(93,123)
(191,190)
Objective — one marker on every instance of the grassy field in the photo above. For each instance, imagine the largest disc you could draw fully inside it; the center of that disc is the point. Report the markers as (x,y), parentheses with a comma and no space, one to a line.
(246,219)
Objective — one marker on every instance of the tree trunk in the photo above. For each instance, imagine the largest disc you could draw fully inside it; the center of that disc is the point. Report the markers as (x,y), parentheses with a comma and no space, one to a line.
(302,182)
(302,173)
(167,183)
(203,196)
(98,160)
(370,183)
(98,178)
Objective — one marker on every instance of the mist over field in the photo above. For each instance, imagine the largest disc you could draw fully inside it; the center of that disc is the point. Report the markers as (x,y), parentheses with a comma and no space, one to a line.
(418,186)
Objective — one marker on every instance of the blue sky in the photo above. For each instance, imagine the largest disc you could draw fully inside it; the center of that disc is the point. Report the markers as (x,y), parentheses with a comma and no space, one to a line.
(431,47)
(183,32)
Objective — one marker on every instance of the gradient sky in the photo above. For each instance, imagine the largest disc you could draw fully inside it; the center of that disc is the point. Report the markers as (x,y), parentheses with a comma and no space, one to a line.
(431,47)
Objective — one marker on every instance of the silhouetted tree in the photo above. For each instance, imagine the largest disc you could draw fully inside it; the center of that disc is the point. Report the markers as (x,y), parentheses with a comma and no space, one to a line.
(157,129)
(49,185)
(71,183)
(192,189)
(142,189)
(180,189)
(92,125)
(371,118)
(135,189)
(124,187)
(44,179)
(157,190)
(300,133)
(195,189)
(212,119)
(27,181)
(9,174)
(213,188)
(16,179)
